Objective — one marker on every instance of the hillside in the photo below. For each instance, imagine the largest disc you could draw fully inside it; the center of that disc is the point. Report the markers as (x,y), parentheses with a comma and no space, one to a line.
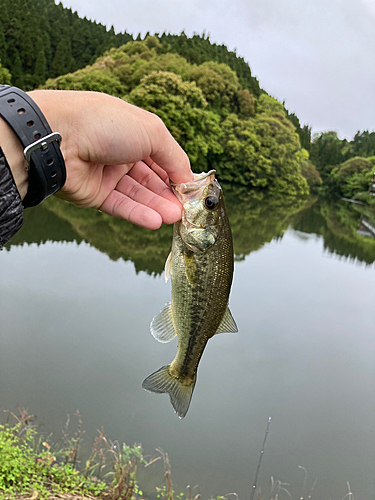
(40,40)
(220,124)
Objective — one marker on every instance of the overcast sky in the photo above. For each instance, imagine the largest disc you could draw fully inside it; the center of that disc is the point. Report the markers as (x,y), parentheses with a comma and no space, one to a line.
(317,55)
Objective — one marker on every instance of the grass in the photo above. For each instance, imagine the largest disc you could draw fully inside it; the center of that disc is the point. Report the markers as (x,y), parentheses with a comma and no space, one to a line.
(33,467)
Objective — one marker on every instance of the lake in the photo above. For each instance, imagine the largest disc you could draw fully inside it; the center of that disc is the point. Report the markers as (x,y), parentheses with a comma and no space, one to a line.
(78,291)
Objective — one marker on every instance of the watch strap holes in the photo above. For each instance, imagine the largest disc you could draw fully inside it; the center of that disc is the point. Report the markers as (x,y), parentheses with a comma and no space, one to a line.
(11,101)
(50,161)
(30,123)
(21,111)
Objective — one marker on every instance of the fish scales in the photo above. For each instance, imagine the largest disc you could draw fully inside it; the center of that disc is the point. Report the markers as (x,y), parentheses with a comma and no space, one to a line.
(201,270)
(199,307)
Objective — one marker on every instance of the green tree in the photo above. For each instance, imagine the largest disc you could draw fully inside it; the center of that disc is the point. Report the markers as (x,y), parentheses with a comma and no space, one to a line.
(264,152)
(303,132)
(246,104)
(363,144)
(40,66)
(93,79)
(353,176)
(219,85)
(62,61)
(309,172)
(27,51)
(17,72)
(2,42)
(182,107)
(327,150)
(5,76)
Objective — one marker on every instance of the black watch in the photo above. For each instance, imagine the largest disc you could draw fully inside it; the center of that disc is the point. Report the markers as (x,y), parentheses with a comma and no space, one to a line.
(47,173)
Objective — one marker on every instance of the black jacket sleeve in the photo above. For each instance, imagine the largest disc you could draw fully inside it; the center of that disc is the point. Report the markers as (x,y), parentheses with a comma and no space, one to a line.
(11,209)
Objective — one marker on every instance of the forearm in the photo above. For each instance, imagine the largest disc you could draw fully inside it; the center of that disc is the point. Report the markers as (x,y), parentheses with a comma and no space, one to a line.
(13,152)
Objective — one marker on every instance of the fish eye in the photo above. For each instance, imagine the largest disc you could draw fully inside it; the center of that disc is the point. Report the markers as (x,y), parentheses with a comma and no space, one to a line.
(211,202)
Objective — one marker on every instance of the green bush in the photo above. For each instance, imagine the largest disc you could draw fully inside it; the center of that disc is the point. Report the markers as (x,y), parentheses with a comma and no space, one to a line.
(353,176)
(22,469)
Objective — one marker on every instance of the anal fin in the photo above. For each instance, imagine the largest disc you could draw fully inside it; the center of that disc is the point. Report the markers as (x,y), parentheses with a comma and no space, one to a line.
(227,325)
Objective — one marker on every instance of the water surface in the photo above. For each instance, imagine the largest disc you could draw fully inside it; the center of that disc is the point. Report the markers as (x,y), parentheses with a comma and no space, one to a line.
(78,291)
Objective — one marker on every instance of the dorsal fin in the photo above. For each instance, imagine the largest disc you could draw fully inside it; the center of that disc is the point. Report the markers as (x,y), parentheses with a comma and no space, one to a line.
(162,326)
(227,325)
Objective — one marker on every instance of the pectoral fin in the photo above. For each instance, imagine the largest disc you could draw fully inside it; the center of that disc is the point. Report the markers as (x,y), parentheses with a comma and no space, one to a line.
(162,326)
(168,267)
(227,325)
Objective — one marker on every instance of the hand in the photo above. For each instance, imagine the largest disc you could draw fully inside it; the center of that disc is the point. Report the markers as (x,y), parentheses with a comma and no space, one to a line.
(118,157)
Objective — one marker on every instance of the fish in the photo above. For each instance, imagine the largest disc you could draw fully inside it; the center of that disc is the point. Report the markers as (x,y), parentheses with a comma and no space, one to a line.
(200,265)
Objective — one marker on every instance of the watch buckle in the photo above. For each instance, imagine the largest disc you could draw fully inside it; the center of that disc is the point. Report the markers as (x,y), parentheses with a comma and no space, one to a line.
(42,144)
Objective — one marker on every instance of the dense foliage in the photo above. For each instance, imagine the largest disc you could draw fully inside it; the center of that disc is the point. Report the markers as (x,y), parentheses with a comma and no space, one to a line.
(5,76)
(221,125)
(346,167)
(199,49)
(40,39)
(327,149)
(28,467)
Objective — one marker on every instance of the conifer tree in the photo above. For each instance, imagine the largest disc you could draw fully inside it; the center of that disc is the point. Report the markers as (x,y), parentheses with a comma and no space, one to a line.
(17,71)
(2,42)
(62,61)
(40,64)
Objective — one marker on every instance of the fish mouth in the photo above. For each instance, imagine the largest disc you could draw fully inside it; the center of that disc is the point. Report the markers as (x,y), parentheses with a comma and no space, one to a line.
(200,180)
(190,193)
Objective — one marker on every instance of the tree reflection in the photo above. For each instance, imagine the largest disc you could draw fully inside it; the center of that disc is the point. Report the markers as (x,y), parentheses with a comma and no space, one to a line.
(255,220)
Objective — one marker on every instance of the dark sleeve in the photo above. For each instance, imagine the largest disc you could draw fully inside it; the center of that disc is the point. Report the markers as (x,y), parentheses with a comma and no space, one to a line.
(11,209)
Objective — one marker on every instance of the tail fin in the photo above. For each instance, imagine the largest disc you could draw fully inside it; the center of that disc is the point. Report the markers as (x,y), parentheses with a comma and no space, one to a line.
(162,381)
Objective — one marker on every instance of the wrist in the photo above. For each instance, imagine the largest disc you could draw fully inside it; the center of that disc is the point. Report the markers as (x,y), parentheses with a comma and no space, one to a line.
(45,163)
(13,152)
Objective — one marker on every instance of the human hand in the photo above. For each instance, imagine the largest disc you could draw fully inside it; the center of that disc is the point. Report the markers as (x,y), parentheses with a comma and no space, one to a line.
(118,157)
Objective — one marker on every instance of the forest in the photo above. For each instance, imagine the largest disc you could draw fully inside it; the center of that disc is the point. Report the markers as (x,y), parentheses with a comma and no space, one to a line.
(205,93)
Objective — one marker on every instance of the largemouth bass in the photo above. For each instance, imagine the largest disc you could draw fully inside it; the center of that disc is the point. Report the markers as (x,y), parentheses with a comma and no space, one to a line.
(201,269)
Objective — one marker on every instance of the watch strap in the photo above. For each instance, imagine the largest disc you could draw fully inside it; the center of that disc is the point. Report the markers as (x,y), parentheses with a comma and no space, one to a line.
(47,173)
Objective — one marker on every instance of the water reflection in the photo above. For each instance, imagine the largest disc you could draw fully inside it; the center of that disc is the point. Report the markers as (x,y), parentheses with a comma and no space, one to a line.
(338,222)
(348,230)
(366,227)
(76,335)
